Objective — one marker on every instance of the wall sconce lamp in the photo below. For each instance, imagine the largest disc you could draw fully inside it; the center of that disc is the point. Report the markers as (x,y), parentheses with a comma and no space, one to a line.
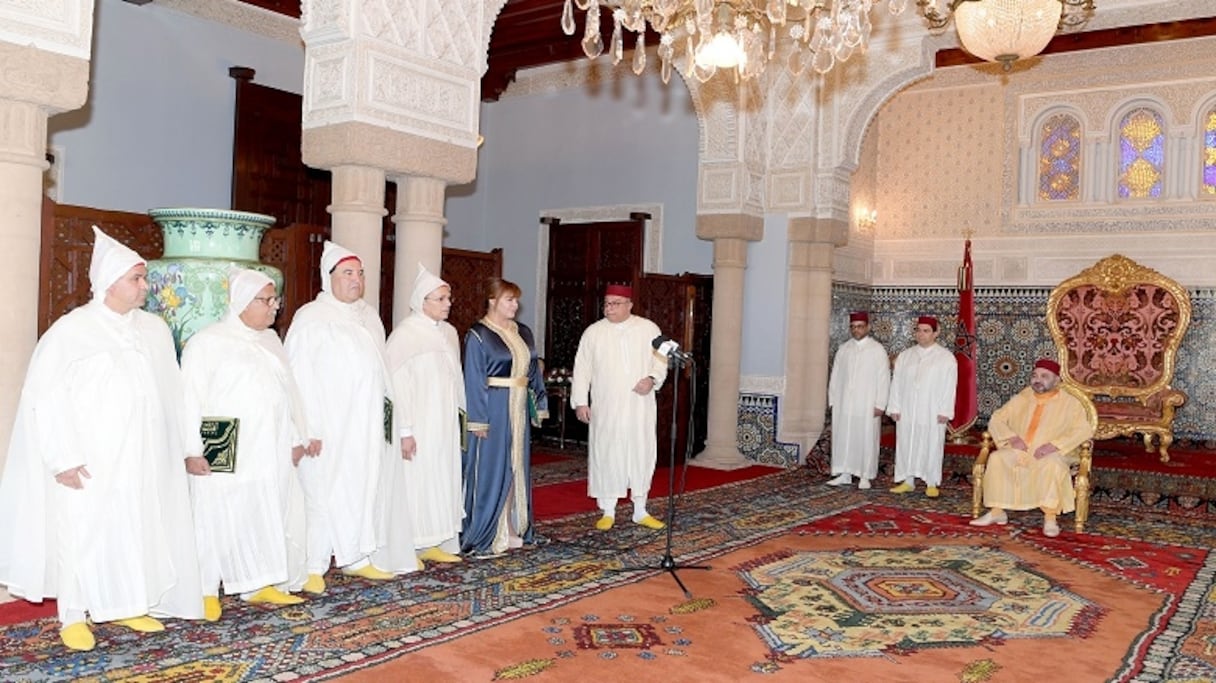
(867,219)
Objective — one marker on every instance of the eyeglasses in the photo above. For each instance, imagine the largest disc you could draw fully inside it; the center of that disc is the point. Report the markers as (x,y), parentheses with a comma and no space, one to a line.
(440,299)
(270,301)
(614,304)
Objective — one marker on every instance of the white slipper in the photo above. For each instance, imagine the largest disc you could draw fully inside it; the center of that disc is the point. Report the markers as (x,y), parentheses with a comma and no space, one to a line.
(988,519)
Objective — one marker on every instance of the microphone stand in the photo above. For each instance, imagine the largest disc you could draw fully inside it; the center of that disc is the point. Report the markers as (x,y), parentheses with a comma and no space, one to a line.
(668,562)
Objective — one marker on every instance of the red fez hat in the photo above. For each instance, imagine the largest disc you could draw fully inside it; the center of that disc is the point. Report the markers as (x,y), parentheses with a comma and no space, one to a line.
(1047,364)
(345,259)
(619,290)
(859,317)
(927,320)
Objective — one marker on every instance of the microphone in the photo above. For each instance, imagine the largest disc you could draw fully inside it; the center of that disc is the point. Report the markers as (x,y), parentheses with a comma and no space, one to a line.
(668,348)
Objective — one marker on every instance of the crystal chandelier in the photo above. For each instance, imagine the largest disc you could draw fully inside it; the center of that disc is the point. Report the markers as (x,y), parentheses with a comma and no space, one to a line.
(736,35)
(1006,30)
(742,35)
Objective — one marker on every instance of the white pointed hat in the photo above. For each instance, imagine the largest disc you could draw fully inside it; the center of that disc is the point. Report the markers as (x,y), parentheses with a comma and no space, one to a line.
(111,260)
(424,284)
(331,256)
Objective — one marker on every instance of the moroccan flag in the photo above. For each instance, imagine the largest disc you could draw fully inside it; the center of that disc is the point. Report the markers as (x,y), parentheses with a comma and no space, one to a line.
(966,406)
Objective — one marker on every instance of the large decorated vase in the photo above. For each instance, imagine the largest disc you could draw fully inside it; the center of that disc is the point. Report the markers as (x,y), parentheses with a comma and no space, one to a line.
(188,286)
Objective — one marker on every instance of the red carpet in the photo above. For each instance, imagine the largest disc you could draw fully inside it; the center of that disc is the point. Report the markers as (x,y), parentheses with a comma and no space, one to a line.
(569,498)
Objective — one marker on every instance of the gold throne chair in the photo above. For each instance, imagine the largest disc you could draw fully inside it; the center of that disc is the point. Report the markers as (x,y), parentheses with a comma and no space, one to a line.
(1080,464)
(1117,327)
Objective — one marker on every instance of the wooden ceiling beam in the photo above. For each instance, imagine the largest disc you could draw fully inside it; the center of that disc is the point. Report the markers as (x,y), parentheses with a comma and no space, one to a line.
(1095,40)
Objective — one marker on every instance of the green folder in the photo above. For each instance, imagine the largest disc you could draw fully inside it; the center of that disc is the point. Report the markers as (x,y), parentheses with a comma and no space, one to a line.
(463,420)
(388,420)
(219,442)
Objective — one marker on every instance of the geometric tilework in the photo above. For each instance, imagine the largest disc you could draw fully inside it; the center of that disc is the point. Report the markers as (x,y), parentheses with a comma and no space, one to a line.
(1012,333)
(757,432)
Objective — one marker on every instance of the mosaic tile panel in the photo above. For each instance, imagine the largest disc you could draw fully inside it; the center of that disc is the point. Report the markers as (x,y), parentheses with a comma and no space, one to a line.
(757,432)
(1012,333)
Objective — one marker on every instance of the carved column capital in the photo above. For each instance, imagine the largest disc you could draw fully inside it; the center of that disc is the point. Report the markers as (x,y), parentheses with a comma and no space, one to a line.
(398,90)
(819,230)
(713,226)
(50,80)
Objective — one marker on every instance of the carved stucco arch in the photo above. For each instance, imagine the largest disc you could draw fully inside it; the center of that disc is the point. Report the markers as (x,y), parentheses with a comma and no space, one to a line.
(881,92)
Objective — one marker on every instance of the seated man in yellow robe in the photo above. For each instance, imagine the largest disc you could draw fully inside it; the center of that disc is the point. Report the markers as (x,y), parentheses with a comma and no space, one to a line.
(1033,432)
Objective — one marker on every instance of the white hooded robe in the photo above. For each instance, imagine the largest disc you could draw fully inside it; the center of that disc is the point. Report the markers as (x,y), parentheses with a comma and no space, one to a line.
(249,523)
(428,390)
(103,390)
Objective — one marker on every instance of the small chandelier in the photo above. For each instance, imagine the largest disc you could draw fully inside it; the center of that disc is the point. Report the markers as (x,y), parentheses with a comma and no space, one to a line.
(736,35)
(742,35)
(1006,30)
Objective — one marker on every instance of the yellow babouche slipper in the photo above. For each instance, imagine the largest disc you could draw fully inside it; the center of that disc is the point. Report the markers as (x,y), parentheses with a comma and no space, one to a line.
(604,523)
(274,596)
(77,637)
(903,488)
(144,624)
(315,584)
(211,608)
(369,572)
(437,554)
(651,523)
(932,492)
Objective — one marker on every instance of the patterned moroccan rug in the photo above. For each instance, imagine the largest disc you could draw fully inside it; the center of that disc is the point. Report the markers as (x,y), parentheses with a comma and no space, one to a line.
(872,593)
(1134,599)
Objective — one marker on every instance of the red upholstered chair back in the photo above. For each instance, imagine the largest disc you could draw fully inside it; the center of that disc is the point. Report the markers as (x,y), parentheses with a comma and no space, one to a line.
(1117,327)
(1124,339)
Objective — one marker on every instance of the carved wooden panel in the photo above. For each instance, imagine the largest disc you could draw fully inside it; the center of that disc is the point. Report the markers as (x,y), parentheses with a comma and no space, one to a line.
(67,247)
(296,251)
(467,271)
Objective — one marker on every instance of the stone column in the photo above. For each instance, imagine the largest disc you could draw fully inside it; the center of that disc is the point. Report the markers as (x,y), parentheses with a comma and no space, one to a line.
(808,337)
(34,83)
(358,218)
(419,220)
(386,91)
(22,163)
(730,234)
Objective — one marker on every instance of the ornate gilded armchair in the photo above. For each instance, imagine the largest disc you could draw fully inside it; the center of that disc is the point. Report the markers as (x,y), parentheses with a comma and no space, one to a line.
(1080,462)
(1117,327)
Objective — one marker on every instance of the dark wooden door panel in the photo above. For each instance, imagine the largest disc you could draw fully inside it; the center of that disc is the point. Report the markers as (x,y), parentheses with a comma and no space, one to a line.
(67,248)
(467,272)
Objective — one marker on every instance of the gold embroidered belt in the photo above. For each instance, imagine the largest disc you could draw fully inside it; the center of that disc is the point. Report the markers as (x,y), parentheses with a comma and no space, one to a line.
(507,382)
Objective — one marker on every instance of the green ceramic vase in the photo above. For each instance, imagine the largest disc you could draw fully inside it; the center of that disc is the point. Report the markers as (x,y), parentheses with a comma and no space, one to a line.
(188,286)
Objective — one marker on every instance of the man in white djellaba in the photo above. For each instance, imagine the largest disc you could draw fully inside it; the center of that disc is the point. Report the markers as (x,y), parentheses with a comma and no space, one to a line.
(94,507)
(616,373)
(857,394)
(336,349)
(921,402)
(248,515)
(428,395)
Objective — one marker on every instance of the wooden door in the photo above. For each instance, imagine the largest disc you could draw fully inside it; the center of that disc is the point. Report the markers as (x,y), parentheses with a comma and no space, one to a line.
(583,259)
(680,306)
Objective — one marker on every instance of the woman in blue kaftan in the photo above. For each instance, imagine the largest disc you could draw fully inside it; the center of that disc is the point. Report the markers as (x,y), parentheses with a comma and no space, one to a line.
(505,392)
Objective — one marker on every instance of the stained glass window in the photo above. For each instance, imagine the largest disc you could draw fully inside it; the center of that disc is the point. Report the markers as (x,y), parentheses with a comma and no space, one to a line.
(1060,159)
(1209,155)
(1141,155)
